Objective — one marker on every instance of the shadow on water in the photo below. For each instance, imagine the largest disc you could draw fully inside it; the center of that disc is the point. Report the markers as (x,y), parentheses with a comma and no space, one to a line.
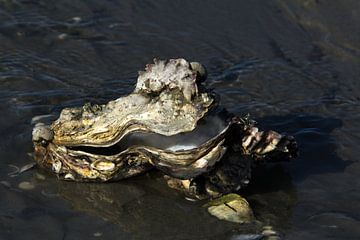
(316,143)
(273,190)
(327,196)
(147,209)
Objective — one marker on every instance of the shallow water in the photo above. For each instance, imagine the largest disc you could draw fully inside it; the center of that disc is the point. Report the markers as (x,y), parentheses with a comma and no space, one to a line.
(293,65)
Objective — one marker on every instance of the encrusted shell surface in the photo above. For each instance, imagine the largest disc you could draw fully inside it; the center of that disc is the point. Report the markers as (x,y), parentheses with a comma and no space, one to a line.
(155,126)
(137,159)
(166,101)
(169,122)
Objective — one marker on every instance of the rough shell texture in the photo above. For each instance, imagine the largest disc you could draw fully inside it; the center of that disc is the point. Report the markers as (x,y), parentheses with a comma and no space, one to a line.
(165,101)
(174,74)
(169,122)
(83,165)
(136,132)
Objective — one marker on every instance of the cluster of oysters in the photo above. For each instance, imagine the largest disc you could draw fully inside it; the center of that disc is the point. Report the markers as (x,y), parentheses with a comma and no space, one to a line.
(170,122)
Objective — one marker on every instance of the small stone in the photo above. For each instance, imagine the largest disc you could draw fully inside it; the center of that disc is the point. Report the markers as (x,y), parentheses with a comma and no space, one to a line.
(232,208)
(26,185)
(269,232)
(97,234)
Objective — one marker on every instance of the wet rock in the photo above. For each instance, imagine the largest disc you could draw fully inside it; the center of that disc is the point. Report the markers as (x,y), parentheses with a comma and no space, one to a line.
(26,185)
(232,208)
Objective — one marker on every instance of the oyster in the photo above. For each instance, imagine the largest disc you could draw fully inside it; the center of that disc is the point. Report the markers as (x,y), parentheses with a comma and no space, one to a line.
(169,122)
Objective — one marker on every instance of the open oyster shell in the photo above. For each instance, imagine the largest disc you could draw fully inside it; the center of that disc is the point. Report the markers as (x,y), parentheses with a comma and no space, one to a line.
(153,126)
(169,122)
(166,101)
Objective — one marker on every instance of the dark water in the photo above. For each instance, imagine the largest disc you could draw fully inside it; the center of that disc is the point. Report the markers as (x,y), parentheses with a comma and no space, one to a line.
(294,65)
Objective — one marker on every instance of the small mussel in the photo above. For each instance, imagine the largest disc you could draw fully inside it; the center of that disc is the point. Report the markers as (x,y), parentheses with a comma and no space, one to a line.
(170,122)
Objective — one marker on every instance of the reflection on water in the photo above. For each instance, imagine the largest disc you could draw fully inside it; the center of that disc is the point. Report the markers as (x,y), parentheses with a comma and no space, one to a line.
(294,65)
(147,210)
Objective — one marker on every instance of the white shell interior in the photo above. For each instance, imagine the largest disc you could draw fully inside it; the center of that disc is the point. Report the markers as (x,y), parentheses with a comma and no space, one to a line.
(206,129)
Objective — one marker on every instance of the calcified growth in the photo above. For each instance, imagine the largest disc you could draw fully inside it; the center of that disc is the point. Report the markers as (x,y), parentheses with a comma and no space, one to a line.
(170,122)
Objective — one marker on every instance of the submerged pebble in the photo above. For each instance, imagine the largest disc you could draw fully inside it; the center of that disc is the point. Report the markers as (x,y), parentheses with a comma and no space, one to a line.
(269,232)
(26,185)
(232,208)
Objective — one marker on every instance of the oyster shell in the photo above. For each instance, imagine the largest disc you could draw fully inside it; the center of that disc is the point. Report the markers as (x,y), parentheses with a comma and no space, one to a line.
(149,127)
(169,122)
(166,101)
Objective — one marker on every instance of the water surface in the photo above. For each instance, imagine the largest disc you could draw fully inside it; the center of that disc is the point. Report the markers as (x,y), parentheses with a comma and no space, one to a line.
(293,65)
